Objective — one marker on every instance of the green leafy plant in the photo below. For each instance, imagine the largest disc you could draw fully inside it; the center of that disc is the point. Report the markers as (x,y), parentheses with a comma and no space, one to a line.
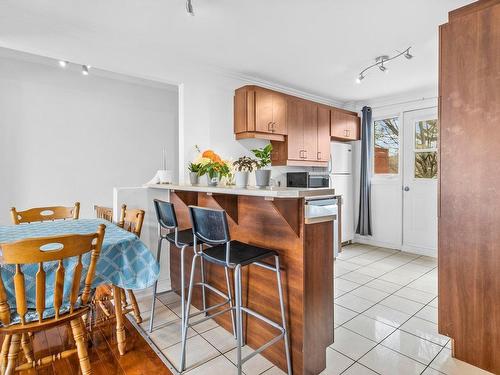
(245,164)
(214,168)
(194,167)
(263,155)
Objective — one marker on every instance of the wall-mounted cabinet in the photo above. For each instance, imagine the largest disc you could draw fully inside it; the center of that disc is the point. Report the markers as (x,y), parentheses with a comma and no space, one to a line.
(344,126)
(300,130)
(259,113)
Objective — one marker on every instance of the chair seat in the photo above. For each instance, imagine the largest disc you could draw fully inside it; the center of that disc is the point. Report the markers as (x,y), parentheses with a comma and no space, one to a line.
(241,253)
(184,237)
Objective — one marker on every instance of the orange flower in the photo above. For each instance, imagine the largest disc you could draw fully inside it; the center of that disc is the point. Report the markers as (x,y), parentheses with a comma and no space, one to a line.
(211,155)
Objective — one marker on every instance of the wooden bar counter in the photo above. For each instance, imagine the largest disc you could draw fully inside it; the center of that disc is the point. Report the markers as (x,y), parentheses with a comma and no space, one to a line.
(273,219)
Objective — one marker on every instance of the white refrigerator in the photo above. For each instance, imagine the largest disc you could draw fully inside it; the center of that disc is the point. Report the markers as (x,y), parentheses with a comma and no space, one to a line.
(341,179)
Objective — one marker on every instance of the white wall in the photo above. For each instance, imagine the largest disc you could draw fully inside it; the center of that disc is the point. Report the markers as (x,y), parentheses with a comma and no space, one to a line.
(386,192)
(66,137)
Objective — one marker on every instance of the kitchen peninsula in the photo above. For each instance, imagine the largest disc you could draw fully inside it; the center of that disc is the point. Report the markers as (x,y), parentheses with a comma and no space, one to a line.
(274,218)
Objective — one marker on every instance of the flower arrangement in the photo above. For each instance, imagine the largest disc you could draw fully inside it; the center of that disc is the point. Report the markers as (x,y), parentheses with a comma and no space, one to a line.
(212,165)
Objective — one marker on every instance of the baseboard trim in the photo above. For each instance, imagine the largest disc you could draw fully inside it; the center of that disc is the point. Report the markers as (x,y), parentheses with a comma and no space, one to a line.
(403,248)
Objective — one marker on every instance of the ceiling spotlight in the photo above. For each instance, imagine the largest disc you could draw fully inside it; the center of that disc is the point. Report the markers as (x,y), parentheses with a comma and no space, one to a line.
(85,70)
(360,78)
(63,63)
(408,55)
(383,68)
(189,7)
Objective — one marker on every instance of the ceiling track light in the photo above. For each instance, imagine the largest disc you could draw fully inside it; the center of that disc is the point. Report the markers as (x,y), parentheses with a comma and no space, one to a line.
(380,62)
(85,70)
(189,7)
(62,63)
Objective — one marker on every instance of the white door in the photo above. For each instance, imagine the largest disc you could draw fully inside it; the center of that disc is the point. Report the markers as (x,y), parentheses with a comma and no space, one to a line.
(420,181)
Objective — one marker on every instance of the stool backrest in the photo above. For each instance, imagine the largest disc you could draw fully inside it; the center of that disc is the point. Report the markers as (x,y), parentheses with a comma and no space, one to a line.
(209,225)
(165,214)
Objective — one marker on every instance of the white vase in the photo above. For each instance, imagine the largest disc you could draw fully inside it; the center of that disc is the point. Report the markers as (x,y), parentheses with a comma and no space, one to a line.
(241,179)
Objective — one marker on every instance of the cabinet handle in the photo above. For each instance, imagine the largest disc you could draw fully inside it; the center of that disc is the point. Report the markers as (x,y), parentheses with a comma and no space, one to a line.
(305,154)
(270,126)
(318,156)
(348,133)
(300,153)
(345,132)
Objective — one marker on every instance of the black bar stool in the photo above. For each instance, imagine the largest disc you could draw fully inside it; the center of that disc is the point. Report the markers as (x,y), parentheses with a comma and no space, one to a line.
(210,227)
(167,219)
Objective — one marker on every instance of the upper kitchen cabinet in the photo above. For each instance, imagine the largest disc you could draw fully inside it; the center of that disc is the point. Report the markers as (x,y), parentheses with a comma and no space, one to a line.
(308,139)
(344,126)
(260,113)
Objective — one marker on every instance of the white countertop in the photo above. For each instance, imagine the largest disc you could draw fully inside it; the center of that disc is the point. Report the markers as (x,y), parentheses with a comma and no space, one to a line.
(272,192)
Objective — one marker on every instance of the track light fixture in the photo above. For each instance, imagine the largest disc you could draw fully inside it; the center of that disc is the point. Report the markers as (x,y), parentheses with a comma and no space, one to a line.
(380,62)
(189,7)
(63,63)
(85,70)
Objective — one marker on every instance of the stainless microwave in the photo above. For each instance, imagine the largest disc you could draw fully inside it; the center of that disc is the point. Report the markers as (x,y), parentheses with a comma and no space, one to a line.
(307,180)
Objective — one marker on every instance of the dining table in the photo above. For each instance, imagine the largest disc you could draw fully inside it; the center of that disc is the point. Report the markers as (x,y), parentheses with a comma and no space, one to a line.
(124,261)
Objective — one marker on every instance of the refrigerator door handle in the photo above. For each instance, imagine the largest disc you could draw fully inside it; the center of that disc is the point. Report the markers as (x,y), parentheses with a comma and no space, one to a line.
(330,165)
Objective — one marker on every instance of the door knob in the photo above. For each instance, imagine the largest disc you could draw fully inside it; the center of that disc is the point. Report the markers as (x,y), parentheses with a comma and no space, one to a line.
(406,188)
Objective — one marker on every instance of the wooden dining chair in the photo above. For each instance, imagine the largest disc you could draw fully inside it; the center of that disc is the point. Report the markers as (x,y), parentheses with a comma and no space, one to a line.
(19,320)
(102,212)
(132,221)
(45,214)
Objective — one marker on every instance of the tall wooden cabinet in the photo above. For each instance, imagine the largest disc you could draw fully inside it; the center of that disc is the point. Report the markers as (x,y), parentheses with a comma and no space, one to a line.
(469,180)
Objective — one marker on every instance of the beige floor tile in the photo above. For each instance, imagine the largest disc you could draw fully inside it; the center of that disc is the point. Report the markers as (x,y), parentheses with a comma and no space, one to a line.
(373,272)
(273,371)
(370,294)
(358,369)
(425,330)
(428,313)
(384,286)
(369,328)
(357,277)
(344,284)
(169,335)
(448,365)
(354,303)
(388,362)
(342,315)
(402,304)
(163,315)
(217,366)
(336,362)
(198,351)
(351,344)
(253,366)
(414,347)
(221,339)
(400,277)
(415,295)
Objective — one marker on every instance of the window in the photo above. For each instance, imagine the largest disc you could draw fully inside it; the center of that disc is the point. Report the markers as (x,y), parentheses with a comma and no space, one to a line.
(426,134)
(386,146)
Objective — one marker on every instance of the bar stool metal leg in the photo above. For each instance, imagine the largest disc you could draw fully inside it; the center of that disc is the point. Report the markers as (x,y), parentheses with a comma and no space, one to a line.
(283,316)
(239,317)
(231,305)
(202,271)
(158,256)
(186,314)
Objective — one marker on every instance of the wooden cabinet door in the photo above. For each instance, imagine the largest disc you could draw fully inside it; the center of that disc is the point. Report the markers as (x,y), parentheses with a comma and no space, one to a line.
(310,131)
(279,125)
(338,124)
(323,153)
(352,127)
(295,120)
(263,110)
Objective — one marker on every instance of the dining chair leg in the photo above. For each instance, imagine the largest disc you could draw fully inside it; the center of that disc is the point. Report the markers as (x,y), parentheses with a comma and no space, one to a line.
(13,353)
(123,297)
(4,353)
(80,336)
(27,347)
(155,286)
(120,328)
(135,306)
(239,318)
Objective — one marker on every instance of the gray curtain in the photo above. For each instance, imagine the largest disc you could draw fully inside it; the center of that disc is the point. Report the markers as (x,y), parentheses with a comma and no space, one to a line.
(364,220)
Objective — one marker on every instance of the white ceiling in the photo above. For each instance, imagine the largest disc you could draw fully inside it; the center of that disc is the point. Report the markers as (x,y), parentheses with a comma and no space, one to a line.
(317,46)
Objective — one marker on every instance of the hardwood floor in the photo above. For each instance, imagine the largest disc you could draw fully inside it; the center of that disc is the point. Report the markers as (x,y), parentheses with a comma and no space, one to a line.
(140,359)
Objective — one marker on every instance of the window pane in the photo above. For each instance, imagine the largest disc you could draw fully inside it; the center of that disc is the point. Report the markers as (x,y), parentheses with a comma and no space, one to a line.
(426,164)
(426,133)
(386,141)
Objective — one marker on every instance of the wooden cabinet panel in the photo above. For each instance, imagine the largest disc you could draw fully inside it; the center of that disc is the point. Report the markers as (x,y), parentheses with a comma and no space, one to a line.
(295,139)
(344,126)
(469,135)
(279,114)
(323,150)
(310,125)
(352,127)
(337,125)
(263,110)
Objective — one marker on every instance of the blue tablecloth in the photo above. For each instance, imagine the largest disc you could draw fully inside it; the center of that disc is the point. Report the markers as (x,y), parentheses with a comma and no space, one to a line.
(124,260)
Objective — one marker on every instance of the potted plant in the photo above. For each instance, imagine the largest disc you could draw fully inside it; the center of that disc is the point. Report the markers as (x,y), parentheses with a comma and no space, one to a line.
(194,171)
(263,155)
(244,165)
(213,166)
